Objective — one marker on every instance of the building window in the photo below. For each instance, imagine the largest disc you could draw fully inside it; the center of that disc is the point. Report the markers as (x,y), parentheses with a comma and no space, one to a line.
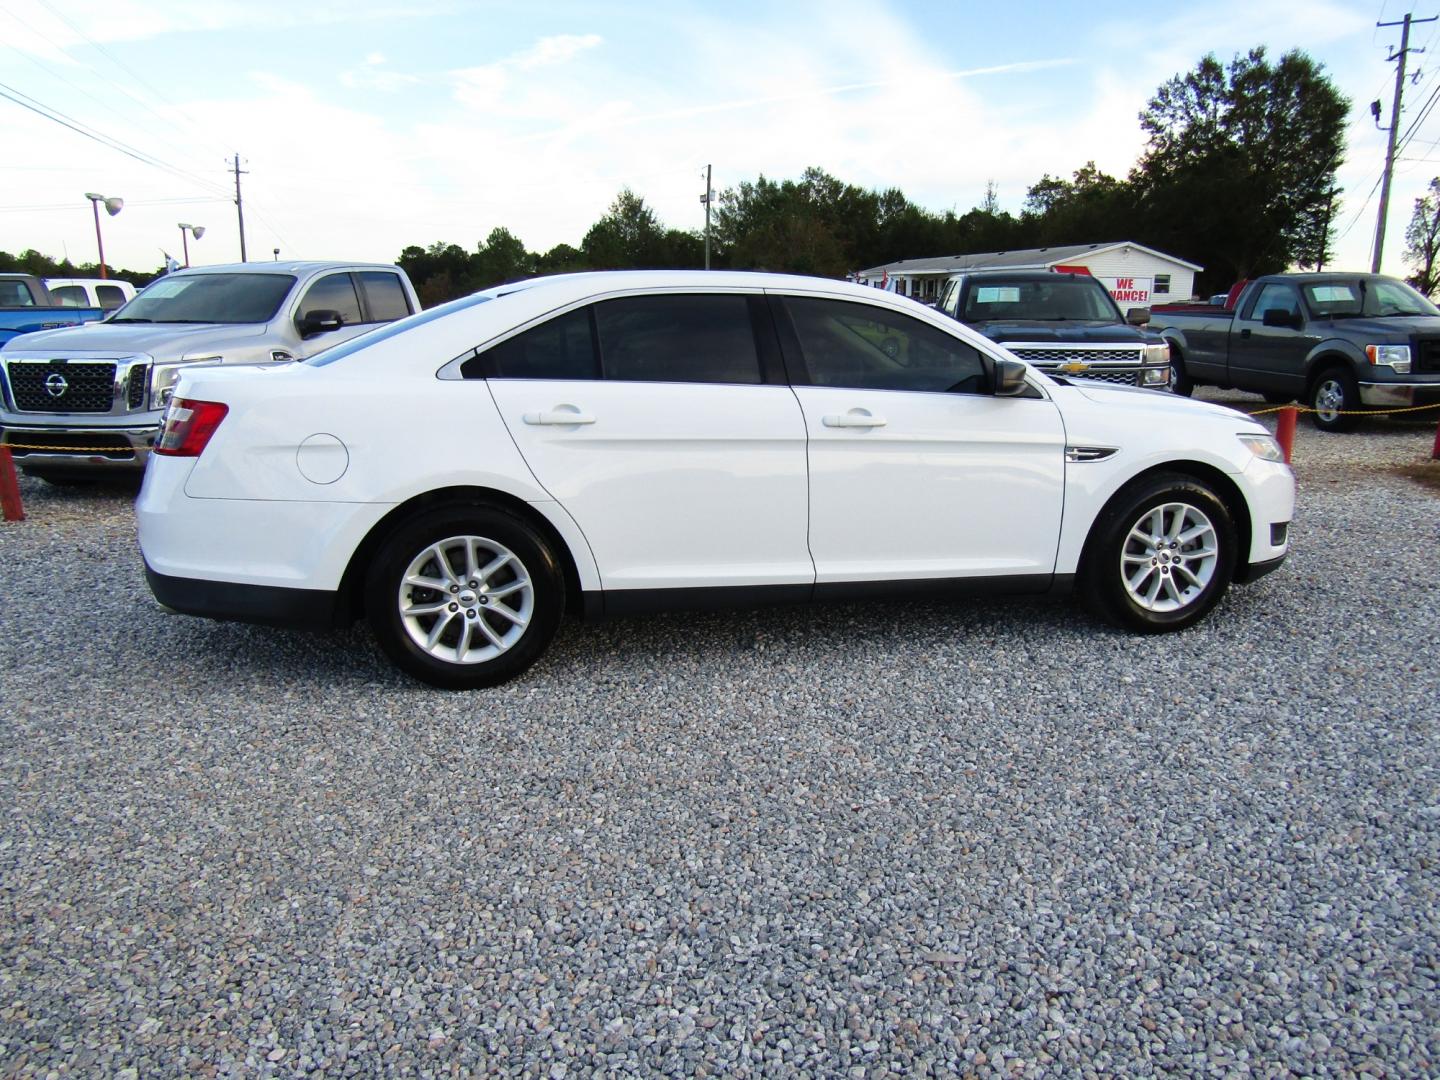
(1162,284)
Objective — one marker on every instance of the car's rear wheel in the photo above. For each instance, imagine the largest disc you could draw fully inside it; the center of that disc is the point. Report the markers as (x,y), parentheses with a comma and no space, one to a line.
(1335,397)
(1160,556)
(1180,382)
(464,597)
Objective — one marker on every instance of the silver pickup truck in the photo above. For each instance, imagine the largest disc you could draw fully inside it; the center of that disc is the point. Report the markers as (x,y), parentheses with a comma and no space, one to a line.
(85,400)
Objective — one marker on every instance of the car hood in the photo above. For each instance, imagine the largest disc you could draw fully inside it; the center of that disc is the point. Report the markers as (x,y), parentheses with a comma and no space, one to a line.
(1388,330)
(1152,401)
(1100,333)
(172,340)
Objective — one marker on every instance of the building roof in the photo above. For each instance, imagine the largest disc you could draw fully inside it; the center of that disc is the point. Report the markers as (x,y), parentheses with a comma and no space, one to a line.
(1022,259)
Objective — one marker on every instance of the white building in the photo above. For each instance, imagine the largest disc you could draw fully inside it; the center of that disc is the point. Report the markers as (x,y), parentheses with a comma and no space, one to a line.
(1137,276)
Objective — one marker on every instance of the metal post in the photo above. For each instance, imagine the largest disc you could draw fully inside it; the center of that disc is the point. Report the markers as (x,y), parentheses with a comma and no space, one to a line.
(706,200)
(185,243)
(95,205)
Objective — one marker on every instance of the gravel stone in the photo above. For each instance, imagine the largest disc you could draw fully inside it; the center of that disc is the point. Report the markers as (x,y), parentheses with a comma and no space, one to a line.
(983,838)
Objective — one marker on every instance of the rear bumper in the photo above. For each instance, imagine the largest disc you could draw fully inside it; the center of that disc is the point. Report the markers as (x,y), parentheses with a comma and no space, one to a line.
(270,605)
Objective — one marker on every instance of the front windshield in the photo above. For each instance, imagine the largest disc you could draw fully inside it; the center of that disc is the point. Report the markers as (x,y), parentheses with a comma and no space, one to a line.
(1051,299)
(209,298)
(1372,298)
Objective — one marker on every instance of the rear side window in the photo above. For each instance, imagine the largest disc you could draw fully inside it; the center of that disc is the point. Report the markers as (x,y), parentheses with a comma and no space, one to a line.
(562,348)
(110,296)
(70,296)
(334,292)
(872,348)
(678,339)
(384,295)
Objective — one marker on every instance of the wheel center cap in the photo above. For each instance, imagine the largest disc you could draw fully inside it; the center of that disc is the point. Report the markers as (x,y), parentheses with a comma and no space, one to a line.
(467,598)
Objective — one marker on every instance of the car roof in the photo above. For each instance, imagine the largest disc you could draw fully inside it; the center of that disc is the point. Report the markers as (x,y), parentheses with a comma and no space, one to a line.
(294,268)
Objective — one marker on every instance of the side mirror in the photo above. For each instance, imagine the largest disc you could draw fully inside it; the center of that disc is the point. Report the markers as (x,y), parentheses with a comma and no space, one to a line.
(1279,316)
(1137,316)
(319,321)
(1009,378)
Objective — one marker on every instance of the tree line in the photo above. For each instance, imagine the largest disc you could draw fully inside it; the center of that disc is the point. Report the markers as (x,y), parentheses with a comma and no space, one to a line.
(1237,174)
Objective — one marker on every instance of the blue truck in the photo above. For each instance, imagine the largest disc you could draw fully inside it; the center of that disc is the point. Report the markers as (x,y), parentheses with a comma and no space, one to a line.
(27,306)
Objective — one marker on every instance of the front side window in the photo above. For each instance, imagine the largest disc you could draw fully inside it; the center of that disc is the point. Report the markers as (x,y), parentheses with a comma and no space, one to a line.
(678,339)
(871,348)
(210,298)
(70,296)
(334,292)
(561,348)
(1275,295)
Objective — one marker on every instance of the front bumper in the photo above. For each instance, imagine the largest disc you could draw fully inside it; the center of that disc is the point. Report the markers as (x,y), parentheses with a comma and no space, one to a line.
(1382,395)
(62,446)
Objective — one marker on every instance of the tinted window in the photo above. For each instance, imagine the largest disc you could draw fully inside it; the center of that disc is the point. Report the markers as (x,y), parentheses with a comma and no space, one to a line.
(1275,295)
(384,295)
(110,296)
(15,294)
(678,339)
(210,298)
(847,344)
(559,349)
(71,295)
(334,292)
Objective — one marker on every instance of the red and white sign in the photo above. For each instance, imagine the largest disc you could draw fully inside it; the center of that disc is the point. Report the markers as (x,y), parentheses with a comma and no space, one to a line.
(1129,290)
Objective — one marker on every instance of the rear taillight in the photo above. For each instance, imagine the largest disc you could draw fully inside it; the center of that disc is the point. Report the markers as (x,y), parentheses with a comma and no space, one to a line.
(188,427)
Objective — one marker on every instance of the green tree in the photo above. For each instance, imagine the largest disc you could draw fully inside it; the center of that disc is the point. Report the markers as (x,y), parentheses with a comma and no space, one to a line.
(1422,240)
(501,257)
(628,237)
(1240,162)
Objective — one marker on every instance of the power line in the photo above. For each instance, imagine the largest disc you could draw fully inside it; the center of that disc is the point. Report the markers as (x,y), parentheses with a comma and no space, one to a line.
(38,107)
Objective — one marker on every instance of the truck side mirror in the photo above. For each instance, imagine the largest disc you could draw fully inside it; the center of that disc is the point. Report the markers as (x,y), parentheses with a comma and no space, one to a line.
(318,321)
(1009,378)
(1279,316)
(1137,316)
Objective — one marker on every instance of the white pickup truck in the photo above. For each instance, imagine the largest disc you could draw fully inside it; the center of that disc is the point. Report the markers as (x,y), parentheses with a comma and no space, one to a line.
(81,401)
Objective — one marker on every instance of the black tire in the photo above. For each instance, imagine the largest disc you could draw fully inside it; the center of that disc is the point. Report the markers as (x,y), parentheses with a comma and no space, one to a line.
(1335,397)
(497,646)
(1197,581)
(1275,397)
(1180,382)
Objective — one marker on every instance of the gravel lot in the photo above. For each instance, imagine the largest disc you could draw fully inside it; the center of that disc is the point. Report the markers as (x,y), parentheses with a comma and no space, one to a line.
(986,837)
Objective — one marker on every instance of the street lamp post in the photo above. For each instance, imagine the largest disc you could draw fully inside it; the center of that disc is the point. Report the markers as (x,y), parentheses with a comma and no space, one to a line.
(113,206)
(187,231)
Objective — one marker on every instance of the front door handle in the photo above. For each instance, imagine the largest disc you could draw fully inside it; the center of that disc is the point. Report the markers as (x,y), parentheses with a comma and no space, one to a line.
(861,418)
(1245,332)
(561,415)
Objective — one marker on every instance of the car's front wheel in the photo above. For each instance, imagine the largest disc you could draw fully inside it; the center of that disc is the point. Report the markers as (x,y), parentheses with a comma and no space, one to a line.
(464,597)
(1160,556)
(1335,399)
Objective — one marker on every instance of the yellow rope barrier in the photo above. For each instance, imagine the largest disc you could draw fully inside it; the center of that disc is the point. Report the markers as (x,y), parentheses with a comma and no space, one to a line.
(68,449)
(1345,412)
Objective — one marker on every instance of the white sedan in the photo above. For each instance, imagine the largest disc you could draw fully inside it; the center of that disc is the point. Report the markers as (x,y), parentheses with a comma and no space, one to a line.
(614,442)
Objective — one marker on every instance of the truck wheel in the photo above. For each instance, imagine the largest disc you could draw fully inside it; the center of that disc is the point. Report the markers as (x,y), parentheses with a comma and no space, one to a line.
(1160,556)
(1335,398)
(464,597)
(1180,383)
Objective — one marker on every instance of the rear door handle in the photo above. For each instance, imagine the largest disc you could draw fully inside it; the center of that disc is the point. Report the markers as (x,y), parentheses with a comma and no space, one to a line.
(1245,332)
(561,415)
(861,418)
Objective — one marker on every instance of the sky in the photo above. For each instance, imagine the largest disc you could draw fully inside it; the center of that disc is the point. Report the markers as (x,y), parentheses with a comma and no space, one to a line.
(365,126)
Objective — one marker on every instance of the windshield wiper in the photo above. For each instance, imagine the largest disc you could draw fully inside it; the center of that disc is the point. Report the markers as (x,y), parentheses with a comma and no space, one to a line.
(131,318)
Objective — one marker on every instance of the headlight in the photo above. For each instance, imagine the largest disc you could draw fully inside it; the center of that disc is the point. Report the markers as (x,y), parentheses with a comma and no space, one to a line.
(163,378)
(1392,356)
(1157,354)
(1262,446)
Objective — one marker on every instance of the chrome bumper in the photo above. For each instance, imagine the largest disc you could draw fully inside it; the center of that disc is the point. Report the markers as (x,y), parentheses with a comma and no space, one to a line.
(1398,395)
(119,449)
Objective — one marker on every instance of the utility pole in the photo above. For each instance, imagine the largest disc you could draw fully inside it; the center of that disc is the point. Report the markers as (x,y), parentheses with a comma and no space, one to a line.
(706,200)
(1399,58)
(239,207)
